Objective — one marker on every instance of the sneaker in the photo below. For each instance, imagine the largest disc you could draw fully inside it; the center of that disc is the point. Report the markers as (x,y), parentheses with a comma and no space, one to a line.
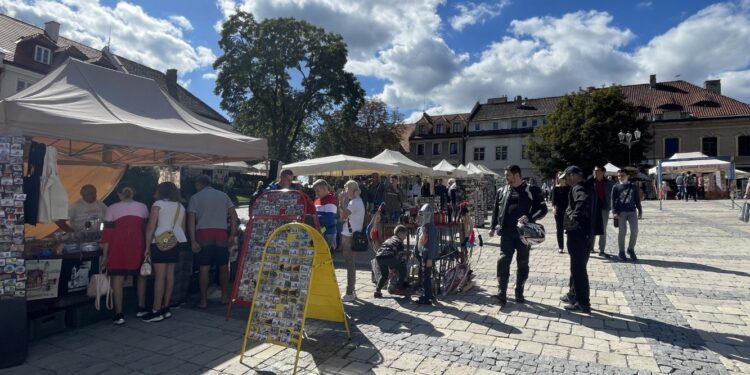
(348,298)
(567,299)
(519,297)
(602,253)
(378,295)
(142,311)
(501,298)
(166,313)
(176,305)
(560,251)
(622,256)
(153,316)
(118,319)
(578,307)
(631,252)
(424,301)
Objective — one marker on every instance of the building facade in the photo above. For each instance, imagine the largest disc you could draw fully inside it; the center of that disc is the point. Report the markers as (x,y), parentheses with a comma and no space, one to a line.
(437,137)
(28,53)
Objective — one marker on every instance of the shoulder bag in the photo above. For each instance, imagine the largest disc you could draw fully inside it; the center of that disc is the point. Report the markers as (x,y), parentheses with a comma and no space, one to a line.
(167,240)
(99,287)
(359,239)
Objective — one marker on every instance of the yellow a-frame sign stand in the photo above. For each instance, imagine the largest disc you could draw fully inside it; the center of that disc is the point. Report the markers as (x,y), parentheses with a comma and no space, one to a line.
(280,305)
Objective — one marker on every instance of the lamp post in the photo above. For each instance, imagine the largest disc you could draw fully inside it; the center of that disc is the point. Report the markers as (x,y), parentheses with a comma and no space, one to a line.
(629,140)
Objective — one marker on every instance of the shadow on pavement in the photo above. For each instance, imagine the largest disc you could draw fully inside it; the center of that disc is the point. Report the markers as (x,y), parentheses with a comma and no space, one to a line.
(689,266)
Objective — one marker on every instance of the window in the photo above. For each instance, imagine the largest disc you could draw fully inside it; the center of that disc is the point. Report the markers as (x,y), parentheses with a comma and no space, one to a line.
(524,152)
(478,153)
(495,126)
(671,146)
(513,124)
(710,146)
(436,148)
(21,84)
(42,55)
(422,130)
(477,126)
(454,148)
(501,153)
(420,149)
(524,124)
(743,145)
(534,122)
(439,129)
(456,127)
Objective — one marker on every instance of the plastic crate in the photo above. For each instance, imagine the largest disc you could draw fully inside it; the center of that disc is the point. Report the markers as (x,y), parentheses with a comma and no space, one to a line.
(46,325)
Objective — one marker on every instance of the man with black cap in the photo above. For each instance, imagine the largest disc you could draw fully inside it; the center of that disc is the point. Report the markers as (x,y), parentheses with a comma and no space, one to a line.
(516,203)
(578,226)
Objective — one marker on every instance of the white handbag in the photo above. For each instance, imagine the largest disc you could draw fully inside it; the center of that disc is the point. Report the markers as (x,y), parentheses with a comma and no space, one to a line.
(99,287)
(744,212)
(146,267)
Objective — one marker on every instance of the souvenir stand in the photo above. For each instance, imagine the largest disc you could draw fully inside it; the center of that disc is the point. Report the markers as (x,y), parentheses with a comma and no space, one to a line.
(719,175)
(270,211)
(89,118)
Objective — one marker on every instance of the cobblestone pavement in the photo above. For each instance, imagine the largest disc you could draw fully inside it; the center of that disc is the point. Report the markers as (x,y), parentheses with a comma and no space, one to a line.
(684,307)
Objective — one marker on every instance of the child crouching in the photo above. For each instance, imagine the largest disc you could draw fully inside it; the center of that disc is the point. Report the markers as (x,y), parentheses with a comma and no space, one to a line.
(390,255)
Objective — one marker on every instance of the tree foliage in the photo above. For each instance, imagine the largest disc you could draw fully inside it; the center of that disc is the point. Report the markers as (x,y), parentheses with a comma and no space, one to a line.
(582,130)
(373,129)
(279,76)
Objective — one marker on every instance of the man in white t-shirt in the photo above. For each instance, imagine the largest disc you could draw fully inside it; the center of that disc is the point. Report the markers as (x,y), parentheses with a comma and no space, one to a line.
(85,213)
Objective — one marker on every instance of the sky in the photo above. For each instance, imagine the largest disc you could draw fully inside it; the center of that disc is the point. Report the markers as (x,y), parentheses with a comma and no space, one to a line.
(438,55)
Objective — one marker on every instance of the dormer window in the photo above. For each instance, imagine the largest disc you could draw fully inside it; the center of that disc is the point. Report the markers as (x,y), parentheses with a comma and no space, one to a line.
(456,127)
(42,55)
(439,129)
(422,130)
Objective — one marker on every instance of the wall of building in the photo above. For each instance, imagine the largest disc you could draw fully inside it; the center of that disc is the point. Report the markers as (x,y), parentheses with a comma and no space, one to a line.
(514,143)
(431,160)
(691,134)
(10,77)
(500,124)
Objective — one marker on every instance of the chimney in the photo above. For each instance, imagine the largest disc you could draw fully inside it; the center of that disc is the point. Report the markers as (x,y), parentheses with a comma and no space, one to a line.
(498,100)
(519,99)
(52,29)
(171,76)
(652,81)
(713,85)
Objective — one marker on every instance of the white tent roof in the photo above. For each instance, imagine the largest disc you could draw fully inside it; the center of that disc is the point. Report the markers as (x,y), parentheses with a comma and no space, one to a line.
(100,115)
(611,169)
(700,164)
(487,170)
(446,169)
(474,170)
(405,165)
(469,172)
(341,165)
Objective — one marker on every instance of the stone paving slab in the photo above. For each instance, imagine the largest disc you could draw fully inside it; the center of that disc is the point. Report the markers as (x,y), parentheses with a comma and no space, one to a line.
(683,308)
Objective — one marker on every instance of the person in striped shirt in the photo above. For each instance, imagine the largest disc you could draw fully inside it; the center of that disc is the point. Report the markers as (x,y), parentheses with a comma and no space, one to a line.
(326,205)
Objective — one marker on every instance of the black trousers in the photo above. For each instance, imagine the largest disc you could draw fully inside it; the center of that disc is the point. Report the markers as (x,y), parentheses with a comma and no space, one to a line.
(509,244)
(386,264)
(560,231)
(579,259)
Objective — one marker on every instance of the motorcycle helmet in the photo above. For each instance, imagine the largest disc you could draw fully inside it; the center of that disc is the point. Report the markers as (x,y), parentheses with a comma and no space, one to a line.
(425,215)
(531,233)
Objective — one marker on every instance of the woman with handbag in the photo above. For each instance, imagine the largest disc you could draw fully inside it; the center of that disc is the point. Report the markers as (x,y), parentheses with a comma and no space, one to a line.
(165,238)
(352,235)
(122,239)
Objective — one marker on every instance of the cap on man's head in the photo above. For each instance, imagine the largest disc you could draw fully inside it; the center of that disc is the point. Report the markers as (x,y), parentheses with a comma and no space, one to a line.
(571,170)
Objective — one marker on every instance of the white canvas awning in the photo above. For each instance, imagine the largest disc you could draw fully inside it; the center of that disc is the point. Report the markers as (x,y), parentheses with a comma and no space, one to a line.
(98,115)
(340,165)
(465,169)
(694,162)
(446,169)
(405,165)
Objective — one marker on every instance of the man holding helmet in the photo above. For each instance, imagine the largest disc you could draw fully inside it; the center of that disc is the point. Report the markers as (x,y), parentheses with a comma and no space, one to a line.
(516,203)
(426,250)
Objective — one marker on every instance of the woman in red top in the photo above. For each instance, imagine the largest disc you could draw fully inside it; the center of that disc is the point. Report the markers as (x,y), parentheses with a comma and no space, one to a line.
(122,241)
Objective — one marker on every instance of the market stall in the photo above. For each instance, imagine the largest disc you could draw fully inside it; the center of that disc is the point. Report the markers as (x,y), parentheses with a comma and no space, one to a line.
(91,122)
(718,174)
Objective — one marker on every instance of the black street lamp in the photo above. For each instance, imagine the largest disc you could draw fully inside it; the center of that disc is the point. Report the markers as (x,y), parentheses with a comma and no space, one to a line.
(629,140)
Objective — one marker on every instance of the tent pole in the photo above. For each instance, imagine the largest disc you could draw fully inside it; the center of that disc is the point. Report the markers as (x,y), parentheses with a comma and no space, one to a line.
(659,179)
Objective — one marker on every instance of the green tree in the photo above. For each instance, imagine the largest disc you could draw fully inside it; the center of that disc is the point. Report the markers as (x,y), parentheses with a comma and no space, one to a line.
(373,129)
(582,130)
(278,76)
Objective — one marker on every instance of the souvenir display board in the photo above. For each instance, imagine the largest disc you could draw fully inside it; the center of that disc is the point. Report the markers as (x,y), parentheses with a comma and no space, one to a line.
(43,278)
(12,264)
(296,280)
(270,211)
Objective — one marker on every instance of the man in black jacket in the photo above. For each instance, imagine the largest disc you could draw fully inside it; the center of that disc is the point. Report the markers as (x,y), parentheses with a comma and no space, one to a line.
(579,227)
(516,203)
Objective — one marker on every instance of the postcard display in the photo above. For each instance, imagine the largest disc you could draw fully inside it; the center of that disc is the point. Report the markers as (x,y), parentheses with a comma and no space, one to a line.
(12,265)
(295,281)
(270,211)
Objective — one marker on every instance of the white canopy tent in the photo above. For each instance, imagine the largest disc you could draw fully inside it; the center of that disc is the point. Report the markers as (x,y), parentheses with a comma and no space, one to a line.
(405,165)
(341,165)
(446,169)
(486,170)
(695,162)
(469,173)
(101,116)
(611,169)
(474,170)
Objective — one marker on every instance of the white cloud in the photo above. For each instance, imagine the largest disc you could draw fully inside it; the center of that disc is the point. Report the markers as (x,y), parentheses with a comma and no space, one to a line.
(644,4)
(156,42)
(473,13)
(182,22)
(185,83)
(209,76)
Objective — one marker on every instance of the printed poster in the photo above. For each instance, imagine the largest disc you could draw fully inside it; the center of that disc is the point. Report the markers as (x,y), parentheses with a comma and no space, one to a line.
(43,277)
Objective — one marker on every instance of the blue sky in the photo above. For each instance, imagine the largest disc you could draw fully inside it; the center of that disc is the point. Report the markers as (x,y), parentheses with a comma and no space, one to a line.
(442,55)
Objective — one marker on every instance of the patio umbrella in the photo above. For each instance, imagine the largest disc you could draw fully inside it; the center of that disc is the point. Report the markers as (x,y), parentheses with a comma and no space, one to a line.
(340,165)
(405,165)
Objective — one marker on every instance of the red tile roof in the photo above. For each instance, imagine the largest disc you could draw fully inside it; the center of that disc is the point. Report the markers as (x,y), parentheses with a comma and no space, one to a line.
(683,96)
